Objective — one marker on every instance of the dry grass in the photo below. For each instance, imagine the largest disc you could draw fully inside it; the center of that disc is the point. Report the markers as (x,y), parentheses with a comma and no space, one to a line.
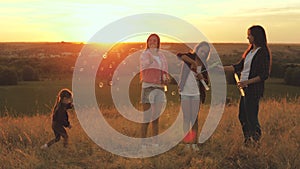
(20,139)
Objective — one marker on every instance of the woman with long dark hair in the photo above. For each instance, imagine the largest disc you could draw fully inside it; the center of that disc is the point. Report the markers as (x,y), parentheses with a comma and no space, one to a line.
(254,68)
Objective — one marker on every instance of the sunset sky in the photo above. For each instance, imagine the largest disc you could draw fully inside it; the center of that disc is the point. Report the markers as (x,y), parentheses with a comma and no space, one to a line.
(78,20)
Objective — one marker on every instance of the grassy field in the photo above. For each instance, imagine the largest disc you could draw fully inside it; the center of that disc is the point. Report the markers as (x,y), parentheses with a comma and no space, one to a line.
(30,98)
(20,139)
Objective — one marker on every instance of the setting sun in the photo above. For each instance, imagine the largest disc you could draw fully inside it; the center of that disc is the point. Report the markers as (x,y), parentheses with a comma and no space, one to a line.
(78,21)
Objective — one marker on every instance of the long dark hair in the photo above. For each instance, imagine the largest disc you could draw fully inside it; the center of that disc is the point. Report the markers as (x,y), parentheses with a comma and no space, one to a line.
(260,40)
(61,94)
(198,46)
(158,40)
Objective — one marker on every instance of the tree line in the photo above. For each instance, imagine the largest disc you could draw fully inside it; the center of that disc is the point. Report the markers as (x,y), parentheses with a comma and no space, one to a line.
(13,70)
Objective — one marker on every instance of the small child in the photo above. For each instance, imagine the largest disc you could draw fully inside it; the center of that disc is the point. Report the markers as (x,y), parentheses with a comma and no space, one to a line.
(60,117)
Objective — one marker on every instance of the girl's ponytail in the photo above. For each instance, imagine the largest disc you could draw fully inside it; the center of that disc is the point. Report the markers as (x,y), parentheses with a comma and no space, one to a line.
(61,94)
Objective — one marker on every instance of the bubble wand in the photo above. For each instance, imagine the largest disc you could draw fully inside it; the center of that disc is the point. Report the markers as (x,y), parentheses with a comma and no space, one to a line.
(201,80)
(199,71)
(237,81)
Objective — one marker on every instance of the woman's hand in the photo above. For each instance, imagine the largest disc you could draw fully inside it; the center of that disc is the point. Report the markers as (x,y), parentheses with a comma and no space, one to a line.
(242,84)
(225,68)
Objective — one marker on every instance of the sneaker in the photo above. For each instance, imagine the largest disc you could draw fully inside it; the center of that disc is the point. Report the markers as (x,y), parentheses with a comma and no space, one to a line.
(195,147)
(45,146)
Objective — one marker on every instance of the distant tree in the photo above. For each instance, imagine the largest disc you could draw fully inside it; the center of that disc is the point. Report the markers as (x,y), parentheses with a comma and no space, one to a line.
(8,76)
(30,74)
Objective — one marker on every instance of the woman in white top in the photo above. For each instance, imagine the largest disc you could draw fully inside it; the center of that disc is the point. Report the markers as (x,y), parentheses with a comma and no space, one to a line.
(254,68)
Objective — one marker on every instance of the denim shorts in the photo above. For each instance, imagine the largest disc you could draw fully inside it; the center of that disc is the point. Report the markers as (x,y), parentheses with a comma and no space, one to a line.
(153,95)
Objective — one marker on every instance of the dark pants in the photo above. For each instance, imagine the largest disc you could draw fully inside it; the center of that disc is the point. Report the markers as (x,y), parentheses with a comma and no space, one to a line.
(248,116)
(59,131)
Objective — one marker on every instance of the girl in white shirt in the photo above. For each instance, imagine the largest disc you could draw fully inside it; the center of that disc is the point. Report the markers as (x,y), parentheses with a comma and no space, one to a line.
(190,89)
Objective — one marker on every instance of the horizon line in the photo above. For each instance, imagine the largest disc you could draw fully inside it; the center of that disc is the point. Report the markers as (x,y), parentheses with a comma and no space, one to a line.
(78,42)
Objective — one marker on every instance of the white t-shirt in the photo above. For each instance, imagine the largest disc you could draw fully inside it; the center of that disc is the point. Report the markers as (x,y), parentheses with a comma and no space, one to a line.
(247,65)
(190,87)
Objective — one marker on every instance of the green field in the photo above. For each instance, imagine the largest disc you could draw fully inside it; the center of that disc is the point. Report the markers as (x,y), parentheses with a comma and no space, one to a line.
(29,98)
